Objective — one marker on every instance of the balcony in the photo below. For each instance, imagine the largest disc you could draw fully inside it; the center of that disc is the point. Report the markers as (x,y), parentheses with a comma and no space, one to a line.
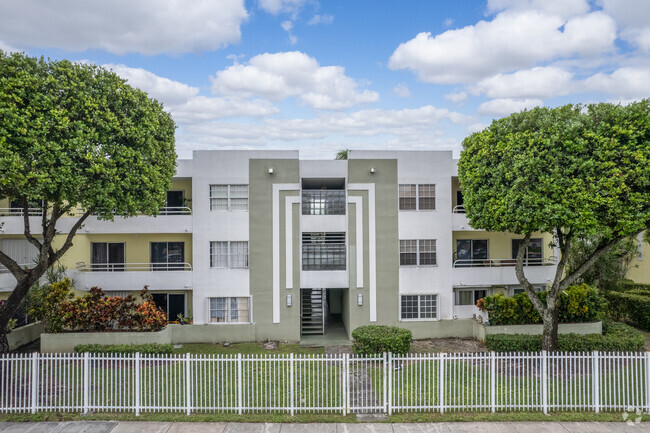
(490,272)
(133,276)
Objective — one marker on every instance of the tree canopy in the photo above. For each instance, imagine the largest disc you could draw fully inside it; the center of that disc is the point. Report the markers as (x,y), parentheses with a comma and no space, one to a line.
(78,139)
(578,172)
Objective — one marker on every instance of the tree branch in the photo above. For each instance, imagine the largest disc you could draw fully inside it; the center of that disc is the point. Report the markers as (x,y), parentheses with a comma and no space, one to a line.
(68,241)
(521,277)
(27,231)
(561,266)
(11,265)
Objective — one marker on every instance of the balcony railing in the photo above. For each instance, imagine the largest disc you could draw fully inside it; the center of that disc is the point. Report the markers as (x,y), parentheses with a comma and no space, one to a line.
(491,263)
(323,202)
(18,211)
(458,209)
(323,257)
(121,267)
(176,211)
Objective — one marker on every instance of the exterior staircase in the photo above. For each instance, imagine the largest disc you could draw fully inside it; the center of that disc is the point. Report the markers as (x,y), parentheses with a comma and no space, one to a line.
(312,311)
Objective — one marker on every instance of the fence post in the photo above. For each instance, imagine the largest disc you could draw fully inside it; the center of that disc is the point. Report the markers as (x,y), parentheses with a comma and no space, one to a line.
(647,381)
(34,381)
(544,382)
(291,384)
(137,383)
(441,381)
(86,381)
(240,396)
(389,401)
(385,380)
(188,383)
(343,385)
(347,383)
(595,372)
(493,382)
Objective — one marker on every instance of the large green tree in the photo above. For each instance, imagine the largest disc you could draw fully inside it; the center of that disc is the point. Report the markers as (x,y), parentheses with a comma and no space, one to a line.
(575,171)
(75,136)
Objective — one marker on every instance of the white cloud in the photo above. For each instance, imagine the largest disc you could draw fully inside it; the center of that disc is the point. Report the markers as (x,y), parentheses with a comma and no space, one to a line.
(633,16)
(286,6)
(456,98)
(540,82)
(288,26)
(562,8)
(321,19)
(284,75)
(121,26)
(448,22)
(505,106)
(402,91)
(628,83)
(512,40)
(475,127)
(8,48)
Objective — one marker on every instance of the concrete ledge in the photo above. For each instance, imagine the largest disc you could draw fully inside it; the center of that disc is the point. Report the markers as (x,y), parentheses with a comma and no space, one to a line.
(481,330)
(24,335)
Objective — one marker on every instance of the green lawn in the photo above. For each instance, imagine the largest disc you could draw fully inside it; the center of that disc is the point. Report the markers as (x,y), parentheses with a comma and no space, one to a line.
(245,349)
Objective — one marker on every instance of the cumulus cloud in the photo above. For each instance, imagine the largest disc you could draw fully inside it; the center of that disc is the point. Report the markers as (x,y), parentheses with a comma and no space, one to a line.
(288,27)
(120,26)
(279,76)
(625,84)
(321,19)
(456,98)
(402,91)
(8,48)
(504,106)
(561,8)
(540,82)
(512,40)
(275,7)
(633,16)
(185,103)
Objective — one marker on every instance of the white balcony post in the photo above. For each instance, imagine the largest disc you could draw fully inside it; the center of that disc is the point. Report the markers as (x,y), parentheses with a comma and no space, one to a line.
(86,381)
(441,384)
(188,382)
(34,381)
(493,382)
(137,384)
(595,366)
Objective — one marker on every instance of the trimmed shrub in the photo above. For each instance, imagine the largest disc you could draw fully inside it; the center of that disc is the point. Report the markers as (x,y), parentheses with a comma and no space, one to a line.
(632,307)
(616,337)
(151,348)
(627,285)
(372,339)
(577,304)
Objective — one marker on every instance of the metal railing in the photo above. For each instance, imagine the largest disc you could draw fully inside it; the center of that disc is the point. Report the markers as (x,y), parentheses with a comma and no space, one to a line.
(458,209)
(323,202)
(323,257)
(492,263)
(437,382)
(18,211)
(184,210)
(120,267)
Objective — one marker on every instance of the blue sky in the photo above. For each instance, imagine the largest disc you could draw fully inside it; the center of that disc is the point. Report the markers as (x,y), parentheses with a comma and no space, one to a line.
(320,76)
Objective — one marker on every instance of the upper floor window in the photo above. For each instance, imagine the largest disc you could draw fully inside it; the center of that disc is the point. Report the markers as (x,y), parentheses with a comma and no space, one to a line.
(417,252)
(471,252)
(533,255)
(417,197)
(168,256)
(107,256)
(323,252)
(229,197)
(229,254)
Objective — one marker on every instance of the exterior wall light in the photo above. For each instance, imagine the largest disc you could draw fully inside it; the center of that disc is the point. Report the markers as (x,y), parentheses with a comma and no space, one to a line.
(372,170)
(360,299)
(288,300)
(270,170)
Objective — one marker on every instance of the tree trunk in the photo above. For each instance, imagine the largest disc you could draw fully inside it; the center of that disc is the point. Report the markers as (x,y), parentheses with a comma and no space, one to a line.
(4,343)
(11,307)
(550,322)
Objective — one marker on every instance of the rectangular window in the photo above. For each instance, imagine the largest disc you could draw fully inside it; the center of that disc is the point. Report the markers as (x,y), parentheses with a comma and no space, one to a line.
(417,252)
(469,296)
(471,253)
(230,310)
(417,197)
(229,197)
(107,256)
(533,255)
(323,202)
(418,307)
(323,252)
(174,204)
(229,254)
(168,256)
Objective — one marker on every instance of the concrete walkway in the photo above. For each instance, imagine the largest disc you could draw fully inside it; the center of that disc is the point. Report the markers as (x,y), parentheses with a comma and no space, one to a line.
(197,427)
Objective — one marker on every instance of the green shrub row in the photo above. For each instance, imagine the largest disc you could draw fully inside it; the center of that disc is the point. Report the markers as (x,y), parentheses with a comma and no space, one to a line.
(627,285)
(632,307)
(151,348)
(577,304)
(372,339)
(616,337)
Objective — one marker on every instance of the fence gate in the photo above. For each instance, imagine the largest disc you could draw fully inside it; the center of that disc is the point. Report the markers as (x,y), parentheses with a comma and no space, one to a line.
(366,379)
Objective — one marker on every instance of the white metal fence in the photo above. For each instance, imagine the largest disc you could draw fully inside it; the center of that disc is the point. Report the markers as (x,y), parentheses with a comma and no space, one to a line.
(556,381)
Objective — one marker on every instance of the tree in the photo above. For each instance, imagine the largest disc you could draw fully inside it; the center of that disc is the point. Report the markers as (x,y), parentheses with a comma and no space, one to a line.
(572,171)
(75,136)
(609,269)
(342,154)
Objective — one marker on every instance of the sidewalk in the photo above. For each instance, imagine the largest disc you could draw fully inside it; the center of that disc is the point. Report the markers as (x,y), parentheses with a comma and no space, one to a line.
(197,427)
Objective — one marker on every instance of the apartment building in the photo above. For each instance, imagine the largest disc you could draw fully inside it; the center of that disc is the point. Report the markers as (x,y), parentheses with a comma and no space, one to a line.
(263,245)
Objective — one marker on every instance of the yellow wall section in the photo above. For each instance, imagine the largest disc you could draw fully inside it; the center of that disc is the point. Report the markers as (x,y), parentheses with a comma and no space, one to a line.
(183,184)
(500,244)
(137,246)
(639,270)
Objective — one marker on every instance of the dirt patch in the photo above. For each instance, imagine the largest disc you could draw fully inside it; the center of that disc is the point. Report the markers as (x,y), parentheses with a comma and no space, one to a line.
(449,345)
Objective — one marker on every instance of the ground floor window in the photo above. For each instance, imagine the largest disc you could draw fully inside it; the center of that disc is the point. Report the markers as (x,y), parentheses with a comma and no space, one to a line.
(469,296)
(230,310)
(414,307)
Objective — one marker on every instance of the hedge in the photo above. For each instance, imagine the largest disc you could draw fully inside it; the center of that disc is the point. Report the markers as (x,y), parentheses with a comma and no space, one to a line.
(627,285)
(616,337)
(151,348)
(577,304)
(373,339)
(632,307)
